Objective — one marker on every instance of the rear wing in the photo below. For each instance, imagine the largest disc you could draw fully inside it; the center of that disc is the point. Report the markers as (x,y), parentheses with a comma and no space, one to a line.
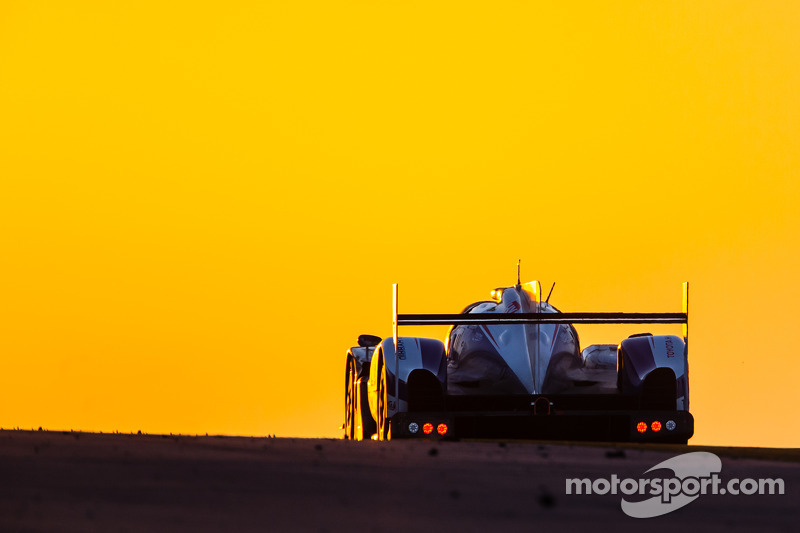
(540,318)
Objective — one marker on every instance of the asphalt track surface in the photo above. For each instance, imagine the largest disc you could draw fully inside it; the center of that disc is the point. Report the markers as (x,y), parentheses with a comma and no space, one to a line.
(64,481)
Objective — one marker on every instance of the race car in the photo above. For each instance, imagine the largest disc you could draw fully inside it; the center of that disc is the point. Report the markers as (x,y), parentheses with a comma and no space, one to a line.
(512,367)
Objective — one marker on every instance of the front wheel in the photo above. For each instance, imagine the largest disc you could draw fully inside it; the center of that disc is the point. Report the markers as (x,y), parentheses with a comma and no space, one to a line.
(349,401)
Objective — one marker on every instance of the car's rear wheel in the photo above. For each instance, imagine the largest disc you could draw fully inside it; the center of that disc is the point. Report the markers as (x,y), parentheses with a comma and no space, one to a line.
(659,390)
(384,425)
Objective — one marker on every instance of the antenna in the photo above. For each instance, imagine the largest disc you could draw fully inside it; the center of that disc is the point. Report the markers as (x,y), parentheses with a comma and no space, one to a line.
(518,262)
(547,301)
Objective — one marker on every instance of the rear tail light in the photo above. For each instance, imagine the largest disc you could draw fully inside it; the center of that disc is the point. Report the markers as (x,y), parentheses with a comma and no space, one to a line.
(441,429)
(427,428)
(656,426)
(641,427)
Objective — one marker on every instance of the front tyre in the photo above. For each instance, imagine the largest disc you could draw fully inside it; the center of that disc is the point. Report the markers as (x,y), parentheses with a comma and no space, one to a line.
(349,401)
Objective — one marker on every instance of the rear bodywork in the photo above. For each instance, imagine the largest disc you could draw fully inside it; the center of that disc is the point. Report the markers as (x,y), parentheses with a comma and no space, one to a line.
(513,367)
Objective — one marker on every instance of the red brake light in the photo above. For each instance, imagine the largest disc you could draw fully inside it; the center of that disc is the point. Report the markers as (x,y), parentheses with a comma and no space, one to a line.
(656,426)
(427,428)
(441,429)
(641,427)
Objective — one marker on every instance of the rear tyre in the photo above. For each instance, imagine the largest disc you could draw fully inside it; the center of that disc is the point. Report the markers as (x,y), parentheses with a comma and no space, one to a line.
(384,424)
(659,390)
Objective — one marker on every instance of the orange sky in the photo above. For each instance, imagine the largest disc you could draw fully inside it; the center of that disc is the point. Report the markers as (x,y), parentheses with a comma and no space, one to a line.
(203,204)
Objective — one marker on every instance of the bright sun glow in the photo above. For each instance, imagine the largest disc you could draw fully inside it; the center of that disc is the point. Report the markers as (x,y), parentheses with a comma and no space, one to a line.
(205,203)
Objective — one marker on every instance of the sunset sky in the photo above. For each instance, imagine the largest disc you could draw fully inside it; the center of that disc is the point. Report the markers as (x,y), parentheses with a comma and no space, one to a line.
(203,204)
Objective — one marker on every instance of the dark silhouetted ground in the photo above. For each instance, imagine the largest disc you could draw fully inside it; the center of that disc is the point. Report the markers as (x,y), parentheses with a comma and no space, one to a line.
(54,481)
